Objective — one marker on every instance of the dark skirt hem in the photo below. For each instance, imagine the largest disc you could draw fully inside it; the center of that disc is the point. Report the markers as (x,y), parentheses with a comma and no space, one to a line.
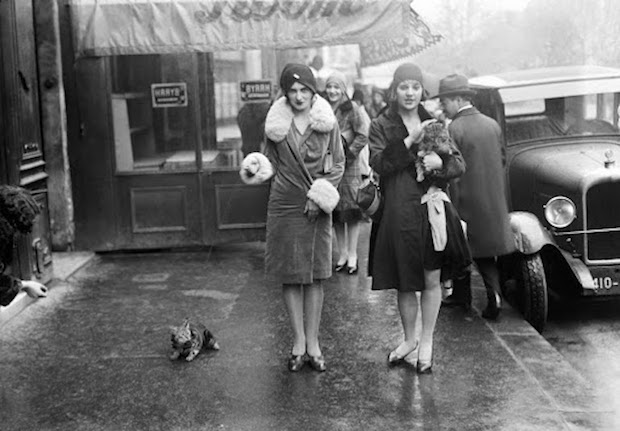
(348,215)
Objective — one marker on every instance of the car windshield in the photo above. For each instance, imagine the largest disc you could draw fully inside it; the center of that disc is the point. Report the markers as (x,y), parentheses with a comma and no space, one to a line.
(591,114)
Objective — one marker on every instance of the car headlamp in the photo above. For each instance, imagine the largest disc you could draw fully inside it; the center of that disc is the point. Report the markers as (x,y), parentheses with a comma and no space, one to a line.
(560,211)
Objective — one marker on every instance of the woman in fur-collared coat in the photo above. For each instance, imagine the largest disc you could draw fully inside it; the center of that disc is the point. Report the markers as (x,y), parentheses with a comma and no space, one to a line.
(354,124)
(307,159)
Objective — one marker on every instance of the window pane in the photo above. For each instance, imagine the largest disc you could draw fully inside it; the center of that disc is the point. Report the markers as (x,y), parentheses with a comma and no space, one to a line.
(239,123)
(525,107)
(153,128)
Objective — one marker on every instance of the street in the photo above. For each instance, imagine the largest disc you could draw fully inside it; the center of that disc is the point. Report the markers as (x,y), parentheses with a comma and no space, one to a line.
(94,356)
(587,334)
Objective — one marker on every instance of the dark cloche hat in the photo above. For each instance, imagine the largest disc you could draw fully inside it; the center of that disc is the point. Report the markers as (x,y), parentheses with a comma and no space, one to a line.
(454,85)
(293,73)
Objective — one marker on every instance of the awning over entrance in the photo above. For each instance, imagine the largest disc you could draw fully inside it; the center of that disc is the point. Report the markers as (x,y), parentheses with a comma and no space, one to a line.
(118,27)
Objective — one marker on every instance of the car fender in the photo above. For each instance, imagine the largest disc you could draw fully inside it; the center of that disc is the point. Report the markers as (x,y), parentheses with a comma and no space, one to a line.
(580,271)
(532,237)
(529,234)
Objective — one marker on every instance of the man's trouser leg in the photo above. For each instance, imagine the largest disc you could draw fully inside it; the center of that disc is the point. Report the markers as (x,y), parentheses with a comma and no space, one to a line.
(461,293)
(487,267)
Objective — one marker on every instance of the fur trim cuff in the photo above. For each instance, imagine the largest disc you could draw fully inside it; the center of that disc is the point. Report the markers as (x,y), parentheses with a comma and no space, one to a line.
(280,115)
(255,169)
(324,194)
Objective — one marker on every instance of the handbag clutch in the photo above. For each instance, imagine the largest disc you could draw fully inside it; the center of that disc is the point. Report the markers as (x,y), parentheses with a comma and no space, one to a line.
(369,198)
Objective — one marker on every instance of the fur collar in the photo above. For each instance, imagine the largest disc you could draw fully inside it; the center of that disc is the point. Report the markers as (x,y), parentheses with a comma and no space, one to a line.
(280,115)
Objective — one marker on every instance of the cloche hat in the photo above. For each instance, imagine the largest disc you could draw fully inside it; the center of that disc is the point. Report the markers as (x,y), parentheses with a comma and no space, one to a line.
(293,73)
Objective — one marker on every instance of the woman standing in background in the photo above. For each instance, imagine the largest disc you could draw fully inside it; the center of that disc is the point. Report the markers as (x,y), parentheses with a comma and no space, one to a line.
(354,124)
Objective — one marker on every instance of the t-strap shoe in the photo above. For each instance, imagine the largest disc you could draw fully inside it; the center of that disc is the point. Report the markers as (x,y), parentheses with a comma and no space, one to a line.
(317,363)
(340,267)
(424,367)
(396,359)
(296,362)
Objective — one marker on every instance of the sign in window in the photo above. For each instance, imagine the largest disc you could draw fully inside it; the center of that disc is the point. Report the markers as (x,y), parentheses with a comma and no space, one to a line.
(255,91)
(169,95)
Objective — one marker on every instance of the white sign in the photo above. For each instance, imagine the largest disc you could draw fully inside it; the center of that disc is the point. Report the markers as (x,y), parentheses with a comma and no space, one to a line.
(169,95)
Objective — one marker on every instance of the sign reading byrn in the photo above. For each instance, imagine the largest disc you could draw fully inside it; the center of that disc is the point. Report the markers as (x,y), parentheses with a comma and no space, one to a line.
(169,95)
(255,91)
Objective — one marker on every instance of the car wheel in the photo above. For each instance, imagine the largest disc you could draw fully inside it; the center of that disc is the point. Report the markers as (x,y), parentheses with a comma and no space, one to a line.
(534,291)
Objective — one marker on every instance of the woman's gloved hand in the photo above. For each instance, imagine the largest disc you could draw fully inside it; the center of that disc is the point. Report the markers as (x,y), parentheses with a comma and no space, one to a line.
(432,162)
(311,211)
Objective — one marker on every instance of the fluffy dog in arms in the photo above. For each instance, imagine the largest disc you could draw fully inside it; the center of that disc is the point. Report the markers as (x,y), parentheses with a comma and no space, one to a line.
(436,138)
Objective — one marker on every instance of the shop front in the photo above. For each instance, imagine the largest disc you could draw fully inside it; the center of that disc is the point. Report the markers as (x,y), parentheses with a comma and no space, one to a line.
(165,97)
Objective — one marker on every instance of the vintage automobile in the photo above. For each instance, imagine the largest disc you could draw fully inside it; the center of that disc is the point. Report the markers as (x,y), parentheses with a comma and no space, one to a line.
(562,141)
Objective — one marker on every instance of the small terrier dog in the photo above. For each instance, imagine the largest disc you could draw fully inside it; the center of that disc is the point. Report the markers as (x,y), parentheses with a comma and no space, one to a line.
(189,339)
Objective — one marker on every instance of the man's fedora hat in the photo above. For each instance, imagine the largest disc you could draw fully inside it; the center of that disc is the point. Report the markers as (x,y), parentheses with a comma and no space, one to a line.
(454,85)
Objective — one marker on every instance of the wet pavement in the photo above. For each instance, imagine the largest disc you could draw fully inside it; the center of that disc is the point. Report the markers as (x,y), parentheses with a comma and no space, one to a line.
(94,356)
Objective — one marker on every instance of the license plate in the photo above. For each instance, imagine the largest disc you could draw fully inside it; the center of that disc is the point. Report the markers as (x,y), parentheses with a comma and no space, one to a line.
(605,283)
(606,280)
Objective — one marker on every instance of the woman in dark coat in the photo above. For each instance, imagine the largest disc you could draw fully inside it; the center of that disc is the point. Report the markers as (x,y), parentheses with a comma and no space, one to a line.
(403,254)
(306,158)
(354,124)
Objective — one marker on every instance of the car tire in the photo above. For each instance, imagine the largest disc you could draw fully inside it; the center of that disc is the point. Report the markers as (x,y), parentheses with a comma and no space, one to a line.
(534,290)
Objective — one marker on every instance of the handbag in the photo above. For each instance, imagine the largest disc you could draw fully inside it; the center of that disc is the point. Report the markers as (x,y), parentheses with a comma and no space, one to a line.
(370,199)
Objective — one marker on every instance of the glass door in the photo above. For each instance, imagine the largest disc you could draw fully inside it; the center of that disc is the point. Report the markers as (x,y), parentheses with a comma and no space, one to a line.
(238,97)
(157,131)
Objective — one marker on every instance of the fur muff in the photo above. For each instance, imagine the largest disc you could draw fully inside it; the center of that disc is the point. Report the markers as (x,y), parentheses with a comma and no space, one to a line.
(255,169)
(280,115)
(324,194)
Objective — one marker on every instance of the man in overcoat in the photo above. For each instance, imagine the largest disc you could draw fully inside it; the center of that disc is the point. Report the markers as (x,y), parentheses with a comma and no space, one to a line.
(479,194)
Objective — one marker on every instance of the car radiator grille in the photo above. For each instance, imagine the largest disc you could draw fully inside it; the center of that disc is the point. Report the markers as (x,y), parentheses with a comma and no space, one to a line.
(603,212)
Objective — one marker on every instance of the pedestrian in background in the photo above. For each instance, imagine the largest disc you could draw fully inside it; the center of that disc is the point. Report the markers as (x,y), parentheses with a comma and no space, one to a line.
(403,254)
(480,194)
(354,124)
(359,96)
(18,210)
(251,122)
(304,147)
(378,103)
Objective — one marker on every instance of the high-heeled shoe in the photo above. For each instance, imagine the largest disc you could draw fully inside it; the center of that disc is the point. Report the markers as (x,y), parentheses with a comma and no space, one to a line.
(317,363)
(424,367)
(339,267)
(396,359)
(352,266)
(296,362)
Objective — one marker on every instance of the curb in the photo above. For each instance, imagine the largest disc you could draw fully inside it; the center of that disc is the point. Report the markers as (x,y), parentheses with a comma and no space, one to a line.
(566,389)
